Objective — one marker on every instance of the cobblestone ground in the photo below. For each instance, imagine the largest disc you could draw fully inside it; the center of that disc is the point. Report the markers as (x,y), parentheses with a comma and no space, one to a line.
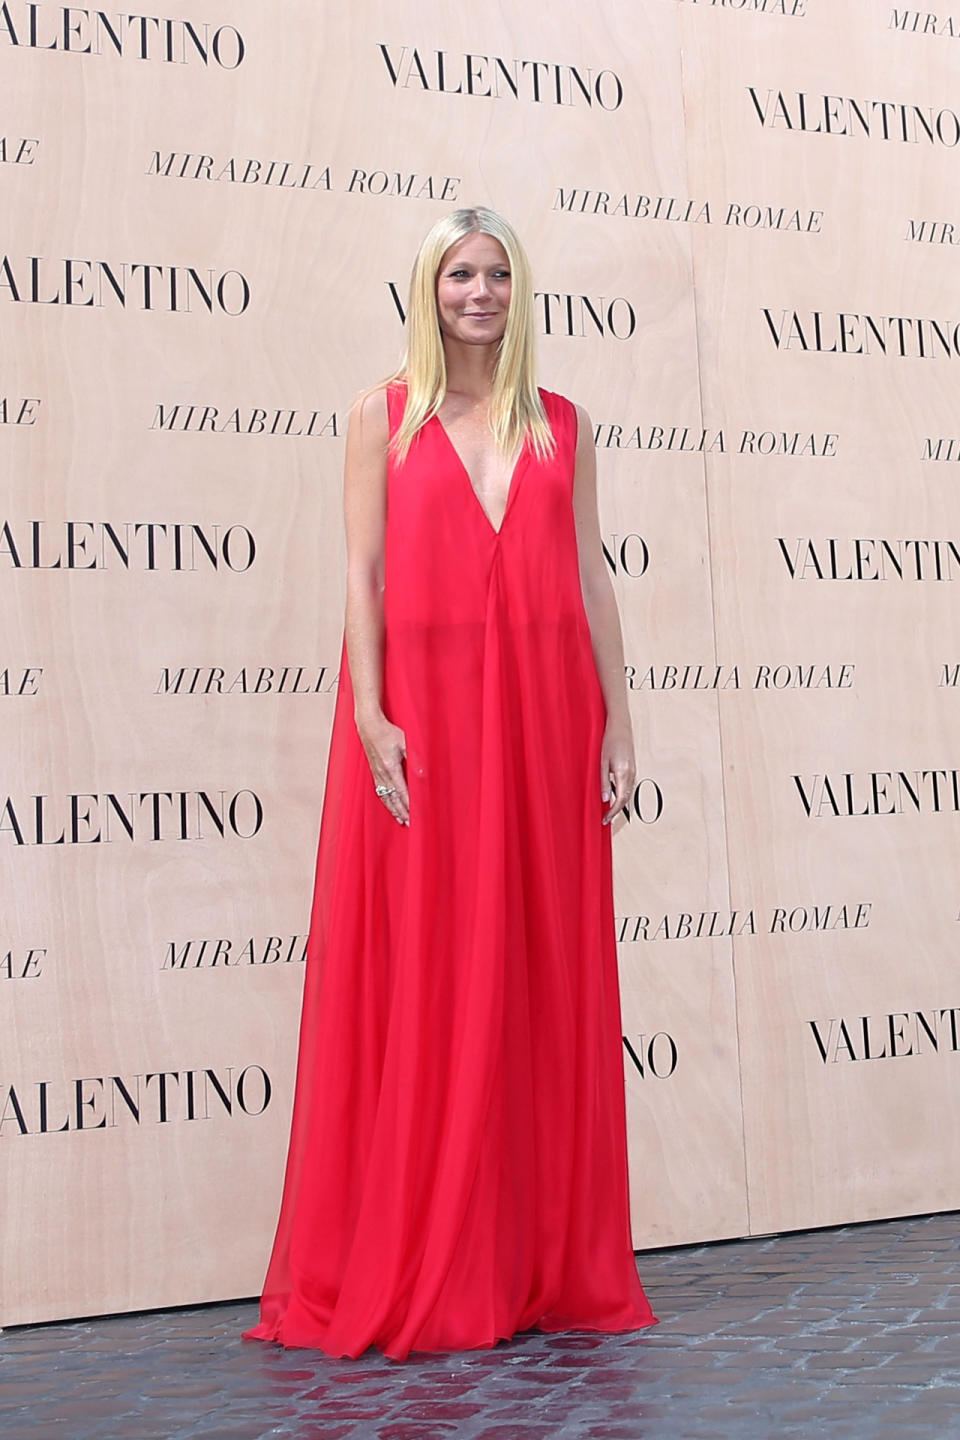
(846,1332)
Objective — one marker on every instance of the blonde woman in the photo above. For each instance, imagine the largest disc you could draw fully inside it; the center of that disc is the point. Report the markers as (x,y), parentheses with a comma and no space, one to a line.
(457,1166)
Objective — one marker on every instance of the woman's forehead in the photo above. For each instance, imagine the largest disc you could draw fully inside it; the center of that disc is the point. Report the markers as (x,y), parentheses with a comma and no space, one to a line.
(477,248)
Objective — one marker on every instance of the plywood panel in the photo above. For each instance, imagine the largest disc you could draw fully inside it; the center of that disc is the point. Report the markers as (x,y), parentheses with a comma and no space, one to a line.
(835,1136)
(695,242)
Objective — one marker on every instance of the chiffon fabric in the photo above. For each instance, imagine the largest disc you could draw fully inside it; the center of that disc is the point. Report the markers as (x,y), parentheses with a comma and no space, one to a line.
(457,1164)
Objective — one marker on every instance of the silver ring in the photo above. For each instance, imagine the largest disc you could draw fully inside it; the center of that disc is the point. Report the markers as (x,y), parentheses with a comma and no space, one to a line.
(385,789)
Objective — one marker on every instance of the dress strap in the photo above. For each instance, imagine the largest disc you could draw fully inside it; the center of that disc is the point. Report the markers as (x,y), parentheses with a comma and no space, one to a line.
(396,404)
(562,415)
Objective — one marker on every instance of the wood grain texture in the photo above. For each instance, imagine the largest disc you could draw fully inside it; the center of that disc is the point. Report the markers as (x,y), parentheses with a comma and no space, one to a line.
(736,1122)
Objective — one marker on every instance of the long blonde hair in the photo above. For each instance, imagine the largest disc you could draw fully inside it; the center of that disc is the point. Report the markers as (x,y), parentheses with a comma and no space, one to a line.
(516,410)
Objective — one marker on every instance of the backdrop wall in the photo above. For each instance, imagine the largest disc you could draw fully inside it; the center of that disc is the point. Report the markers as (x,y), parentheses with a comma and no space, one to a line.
(744,223)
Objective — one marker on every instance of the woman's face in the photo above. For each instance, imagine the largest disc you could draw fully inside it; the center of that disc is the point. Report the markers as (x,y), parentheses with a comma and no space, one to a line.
(473,290)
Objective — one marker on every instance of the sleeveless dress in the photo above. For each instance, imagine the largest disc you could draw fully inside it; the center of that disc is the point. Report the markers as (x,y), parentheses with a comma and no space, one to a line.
(457,1164)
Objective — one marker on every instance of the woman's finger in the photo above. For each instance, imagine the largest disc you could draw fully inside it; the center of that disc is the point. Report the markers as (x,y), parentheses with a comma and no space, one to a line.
(400,798)
(388,771)
(621,789)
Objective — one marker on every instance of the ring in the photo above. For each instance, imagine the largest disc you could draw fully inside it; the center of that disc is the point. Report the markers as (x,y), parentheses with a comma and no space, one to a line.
(385,789)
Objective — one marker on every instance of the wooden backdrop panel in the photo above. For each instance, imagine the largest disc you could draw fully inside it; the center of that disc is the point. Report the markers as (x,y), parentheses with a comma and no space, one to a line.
(855,907)
(150,987)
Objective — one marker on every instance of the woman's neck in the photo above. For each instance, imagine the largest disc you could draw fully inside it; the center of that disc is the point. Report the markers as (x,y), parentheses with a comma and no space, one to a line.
(470,368)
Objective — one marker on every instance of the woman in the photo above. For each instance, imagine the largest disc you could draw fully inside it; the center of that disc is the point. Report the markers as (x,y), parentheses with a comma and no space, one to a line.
(457,1164)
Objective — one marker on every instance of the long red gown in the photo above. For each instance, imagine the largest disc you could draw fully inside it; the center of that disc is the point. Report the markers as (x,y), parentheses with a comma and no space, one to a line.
(457,1166)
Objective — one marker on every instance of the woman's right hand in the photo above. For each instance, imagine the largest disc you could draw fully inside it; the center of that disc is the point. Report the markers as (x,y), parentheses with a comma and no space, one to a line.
(386,747)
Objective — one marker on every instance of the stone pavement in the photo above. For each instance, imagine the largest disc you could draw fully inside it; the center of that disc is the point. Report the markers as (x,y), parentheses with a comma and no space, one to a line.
(847,1332)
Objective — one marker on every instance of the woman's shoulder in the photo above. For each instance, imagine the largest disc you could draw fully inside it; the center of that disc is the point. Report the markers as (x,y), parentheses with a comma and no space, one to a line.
(561,409)
(376,396)
(377,402)
(554,397)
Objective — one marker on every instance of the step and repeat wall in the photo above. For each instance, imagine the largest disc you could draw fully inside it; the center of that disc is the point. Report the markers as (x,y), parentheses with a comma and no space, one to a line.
(744,221)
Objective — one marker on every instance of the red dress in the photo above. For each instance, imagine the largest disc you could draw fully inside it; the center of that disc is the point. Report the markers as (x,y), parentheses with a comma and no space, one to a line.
(457,1166)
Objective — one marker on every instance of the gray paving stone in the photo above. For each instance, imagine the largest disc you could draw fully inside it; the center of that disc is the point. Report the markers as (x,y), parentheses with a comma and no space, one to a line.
(860,1324)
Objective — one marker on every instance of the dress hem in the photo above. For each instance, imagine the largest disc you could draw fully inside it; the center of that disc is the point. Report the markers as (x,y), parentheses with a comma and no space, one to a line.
(453,1349)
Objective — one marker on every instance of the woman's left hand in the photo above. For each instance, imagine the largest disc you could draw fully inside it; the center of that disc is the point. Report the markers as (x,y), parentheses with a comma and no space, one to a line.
(618,769)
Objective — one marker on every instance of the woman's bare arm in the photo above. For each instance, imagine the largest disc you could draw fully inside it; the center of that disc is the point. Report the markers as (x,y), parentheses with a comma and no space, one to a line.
(365,514)
(617,763)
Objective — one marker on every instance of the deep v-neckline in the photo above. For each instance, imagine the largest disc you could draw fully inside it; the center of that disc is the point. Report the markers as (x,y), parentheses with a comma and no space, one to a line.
(511,486)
